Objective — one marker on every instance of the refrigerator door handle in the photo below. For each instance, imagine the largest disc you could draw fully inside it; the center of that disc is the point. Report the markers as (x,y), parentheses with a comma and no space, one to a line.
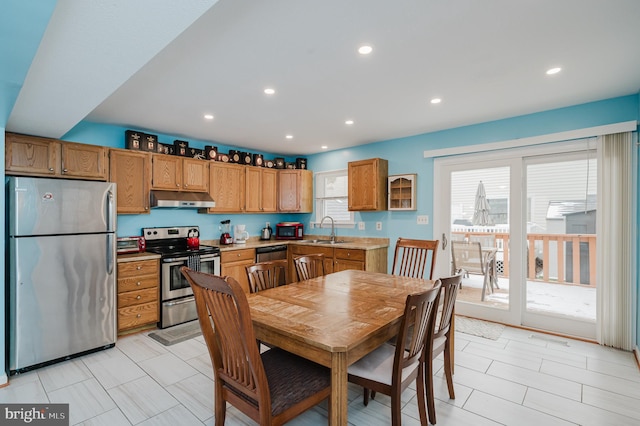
(110,248)
(110,211)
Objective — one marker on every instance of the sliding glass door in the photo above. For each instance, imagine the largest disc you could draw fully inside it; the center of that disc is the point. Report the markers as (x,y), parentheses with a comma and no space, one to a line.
(561,197)
(520,226)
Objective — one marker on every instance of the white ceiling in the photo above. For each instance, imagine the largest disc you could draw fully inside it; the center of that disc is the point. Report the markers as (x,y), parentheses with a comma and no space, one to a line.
(160,65)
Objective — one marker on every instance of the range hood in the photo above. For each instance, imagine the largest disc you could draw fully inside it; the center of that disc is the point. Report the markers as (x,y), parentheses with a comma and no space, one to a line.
(181,199)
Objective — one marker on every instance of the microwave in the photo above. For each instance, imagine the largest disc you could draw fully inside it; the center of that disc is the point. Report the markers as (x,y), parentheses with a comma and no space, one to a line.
(289,231)
(130,245)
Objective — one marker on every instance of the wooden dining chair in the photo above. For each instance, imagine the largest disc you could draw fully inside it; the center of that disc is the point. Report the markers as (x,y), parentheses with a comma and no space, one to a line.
(269,274)
(309,266)
(390,369)
(271,388)
(412,258)
(441,341)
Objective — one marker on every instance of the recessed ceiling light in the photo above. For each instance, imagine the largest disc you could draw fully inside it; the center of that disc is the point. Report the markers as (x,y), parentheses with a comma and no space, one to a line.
(324,147)
(365,49)
(348,122)
(208,116)
(289,136)
(436,100)
(269,91)
(555,70)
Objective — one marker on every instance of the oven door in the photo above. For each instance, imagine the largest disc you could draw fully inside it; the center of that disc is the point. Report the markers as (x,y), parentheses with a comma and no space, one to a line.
(174,284)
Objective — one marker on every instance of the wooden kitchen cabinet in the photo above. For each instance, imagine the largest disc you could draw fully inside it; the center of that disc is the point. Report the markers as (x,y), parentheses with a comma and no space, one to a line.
(301,250)
(349,259)
(130,170)
(261,187)
(138,293)
(368,184)
(295,191)
(402,192)
(338,259)
(226,187)
(233,263)
(173,173)
(36,156)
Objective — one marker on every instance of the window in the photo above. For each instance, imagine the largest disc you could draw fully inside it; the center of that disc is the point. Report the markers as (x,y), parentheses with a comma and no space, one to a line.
(331,197)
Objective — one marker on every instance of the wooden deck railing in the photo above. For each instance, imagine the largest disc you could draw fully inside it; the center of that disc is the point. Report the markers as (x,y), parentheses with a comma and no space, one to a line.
(552,263)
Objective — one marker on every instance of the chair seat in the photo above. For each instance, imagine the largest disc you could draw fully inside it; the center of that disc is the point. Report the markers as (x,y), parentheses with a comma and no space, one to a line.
(378,365)
(292,379)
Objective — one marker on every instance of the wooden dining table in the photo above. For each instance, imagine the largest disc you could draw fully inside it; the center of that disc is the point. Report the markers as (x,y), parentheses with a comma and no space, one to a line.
(334,320)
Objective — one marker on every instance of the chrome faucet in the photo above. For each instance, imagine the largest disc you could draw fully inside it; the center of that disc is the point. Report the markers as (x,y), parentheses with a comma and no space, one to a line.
(333,229)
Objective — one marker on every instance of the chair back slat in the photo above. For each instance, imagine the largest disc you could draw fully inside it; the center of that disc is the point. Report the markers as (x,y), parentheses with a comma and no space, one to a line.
(418,322)
(413,258)
(450,287)
(264,275)
(309,266)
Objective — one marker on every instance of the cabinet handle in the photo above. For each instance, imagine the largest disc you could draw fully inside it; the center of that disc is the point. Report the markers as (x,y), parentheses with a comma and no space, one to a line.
(139,297)
(185,185)
(238,255)
(138,283)
(348,254)
(138,316)
(138,267)
(64,170)
(50,169)
(178,185)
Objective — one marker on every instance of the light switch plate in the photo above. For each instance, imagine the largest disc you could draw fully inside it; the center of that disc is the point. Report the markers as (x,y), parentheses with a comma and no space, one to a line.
(361,226)
(378,226)
(423,220)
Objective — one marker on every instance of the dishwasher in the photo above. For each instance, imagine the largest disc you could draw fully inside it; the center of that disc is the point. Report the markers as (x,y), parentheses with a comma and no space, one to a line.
(265,254)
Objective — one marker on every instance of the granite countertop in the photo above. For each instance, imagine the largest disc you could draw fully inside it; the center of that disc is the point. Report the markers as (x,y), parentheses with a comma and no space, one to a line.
(135,257)
(359,243)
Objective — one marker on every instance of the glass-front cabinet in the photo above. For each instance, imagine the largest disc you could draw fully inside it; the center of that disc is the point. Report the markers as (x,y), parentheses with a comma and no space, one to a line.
(402,192)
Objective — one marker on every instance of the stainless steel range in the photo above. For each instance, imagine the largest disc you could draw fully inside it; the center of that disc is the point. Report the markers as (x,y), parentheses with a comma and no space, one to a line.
(178,305)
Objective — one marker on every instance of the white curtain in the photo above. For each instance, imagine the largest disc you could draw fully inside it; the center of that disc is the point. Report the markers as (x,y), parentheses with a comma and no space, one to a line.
(616,242)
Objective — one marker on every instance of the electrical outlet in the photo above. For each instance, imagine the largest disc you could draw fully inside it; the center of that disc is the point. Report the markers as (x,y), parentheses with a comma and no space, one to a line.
(378,226)
(361,226)
(423,220)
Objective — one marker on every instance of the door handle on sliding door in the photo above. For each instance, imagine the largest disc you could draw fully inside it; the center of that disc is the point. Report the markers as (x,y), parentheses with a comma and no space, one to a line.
(444,241)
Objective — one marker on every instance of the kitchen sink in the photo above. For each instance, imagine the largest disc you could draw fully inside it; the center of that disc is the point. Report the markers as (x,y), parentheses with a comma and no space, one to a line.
(327,241)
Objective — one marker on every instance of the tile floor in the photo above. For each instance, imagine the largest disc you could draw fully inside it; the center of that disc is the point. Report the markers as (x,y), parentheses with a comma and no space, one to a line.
(523,378)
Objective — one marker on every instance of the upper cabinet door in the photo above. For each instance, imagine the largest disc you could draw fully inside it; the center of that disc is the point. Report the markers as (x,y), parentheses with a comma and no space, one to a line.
(295,191)
(31,155)
(226,187)
(84,161)
(167,172)
(195,175)
(368,185)
(130,170)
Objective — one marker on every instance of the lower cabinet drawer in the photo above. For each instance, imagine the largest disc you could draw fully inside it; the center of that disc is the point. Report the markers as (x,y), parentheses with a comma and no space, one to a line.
(133,316)
(137,283)
(137,297)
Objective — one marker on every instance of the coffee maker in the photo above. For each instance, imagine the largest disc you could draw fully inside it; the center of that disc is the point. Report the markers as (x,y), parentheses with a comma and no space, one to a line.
(225,237)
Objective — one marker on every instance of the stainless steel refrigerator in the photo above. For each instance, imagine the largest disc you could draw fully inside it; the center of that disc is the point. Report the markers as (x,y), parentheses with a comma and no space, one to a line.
(61,266)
